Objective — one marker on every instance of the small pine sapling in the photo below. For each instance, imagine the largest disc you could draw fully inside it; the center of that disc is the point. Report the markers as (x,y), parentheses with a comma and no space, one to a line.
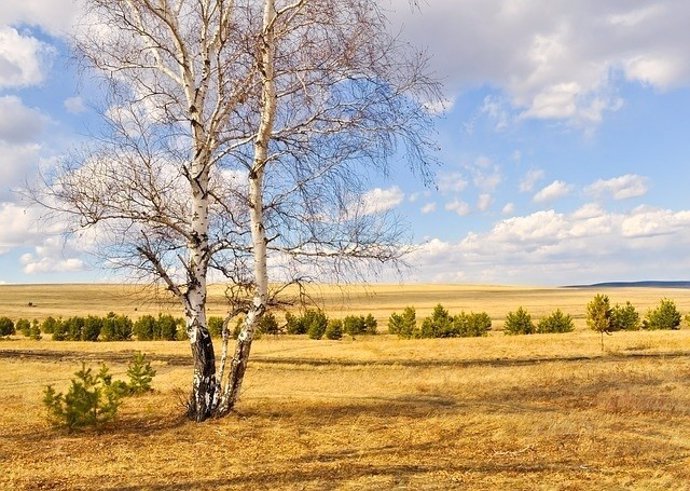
(90,401)
(519,322)
(35,330)
(23,326)
(599,316)
(140,374)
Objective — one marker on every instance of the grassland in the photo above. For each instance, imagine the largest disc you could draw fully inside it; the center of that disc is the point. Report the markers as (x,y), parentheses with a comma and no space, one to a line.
(528,412)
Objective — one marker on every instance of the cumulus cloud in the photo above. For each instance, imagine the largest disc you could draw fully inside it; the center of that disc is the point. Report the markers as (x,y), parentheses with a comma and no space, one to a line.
(19,226)
(554,191)
(55,16)
(379,200)
(19,123)
(459,207)
(554,248)
(531,179)
(508,209)
(620,188)
(51,257)
(22,58)
(554,59)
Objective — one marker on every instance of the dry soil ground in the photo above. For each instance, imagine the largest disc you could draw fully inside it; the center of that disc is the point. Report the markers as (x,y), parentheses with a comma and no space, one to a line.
(506,413)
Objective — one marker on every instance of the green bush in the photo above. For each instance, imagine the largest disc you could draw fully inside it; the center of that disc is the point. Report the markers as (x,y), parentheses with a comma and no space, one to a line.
(354,325)
(370,324)
(405,324)
(73,328)
(140,375)
(625,318)
(35,330)
(471,325)
(556,322)
(295,324)
(48,325)
(91,328)
(268,324)
(145,328)
(438,325)
(665,316)
(6,327)
(117,327)
(215,326)
(91,400)
(316,322)
(599,314)
(94,399)
(59,331)
(166,327)
(334,330)
(23,326)
(519,322)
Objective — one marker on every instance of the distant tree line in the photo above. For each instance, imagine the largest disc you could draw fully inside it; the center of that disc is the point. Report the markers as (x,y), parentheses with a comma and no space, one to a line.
(600,316)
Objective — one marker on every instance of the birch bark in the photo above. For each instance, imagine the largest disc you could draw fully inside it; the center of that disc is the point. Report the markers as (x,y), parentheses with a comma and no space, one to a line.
(256,198)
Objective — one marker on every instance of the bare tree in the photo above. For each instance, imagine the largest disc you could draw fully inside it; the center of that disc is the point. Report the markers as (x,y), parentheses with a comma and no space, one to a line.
(241,137)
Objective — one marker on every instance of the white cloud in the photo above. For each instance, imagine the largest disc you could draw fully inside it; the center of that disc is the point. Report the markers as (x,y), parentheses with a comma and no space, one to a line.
(459,207)
(55,255)
(35,265)
(75,105)
(554,59)
(498,110)
(55,16)
(508,209)
(19,226)
(21,127)
(428,208)
(484,201)
(23,59)
(486,175)
(532,177)
(555,190)
(547,247)
(379,200)
(655,70)
(19,123)
(453,182)
(443,106)
(651,222)
(622,187)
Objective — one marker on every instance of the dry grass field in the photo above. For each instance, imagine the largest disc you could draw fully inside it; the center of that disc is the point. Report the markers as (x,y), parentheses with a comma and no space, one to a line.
(537,412)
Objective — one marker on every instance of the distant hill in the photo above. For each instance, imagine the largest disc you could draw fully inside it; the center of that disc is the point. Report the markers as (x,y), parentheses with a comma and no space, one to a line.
(636,284)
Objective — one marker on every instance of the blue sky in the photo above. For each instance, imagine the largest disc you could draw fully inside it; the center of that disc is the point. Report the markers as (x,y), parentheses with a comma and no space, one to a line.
(565,141)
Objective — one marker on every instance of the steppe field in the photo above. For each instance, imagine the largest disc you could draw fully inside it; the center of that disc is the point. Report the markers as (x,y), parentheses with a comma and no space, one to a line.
(538,412)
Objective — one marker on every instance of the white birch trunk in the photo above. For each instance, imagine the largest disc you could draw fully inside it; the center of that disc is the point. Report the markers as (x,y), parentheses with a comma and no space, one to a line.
(256,197)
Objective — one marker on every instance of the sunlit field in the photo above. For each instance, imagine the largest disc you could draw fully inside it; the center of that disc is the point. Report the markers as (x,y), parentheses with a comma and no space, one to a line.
(500,412)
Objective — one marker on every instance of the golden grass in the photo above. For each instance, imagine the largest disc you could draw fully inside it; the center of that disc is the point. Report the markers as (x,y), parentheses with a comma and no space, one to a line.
(498,413)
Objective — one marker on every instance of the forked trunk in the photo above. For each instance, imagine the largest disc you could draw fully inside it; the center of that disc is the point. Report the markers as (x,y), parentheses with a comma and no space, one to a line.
(238,368)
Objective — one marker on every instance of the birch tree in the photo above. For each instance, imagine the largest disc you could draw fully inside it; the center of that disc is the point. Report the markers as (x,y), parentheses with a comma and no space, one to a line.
(240,139)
